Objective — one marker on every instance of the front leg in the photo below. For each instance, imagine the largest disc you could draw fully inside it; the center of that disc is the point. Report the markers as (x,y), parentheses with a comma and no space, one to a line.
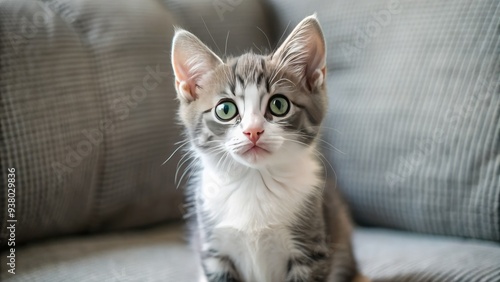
(298,270)
(219,268)
(308,267)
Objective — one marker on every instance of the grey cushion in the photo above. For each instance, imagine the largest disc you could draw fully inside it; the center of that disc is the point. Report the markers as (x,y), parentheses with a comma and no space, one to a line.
(160,254)
(414,110)
(398,256)
(66,67)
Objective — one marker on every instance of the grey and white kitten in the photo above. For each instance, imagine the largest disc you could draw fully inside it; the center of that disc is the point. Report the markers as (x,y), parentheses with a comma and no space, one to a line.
(259,208)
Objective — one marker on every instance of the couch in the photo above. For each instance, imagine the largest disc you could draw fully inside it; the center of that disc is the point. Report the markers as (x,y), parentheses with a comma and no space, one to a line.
(87,119)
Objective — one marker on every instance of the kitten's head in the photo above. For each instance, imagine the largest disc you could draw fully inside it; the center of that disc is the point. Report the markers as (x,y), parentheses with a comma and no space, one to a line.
(255,109)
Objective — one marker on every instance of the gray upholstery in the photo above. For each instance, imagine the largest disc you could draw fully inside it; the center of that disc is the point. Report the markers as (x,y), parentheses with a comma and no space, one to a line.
(398,256)
(160,254)
(62,79)
(65,68)
(414,110)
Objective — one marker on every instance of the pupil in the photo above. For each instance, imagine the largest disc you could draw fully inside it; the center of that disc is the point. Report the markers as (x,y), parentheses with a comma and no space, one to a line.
(277,103)
(226,109)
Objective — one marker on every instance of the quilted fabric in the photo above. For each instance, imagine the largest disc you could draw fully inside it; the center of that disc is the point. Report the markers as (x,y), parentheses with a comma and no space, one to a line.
(414,110)
(160,254)
(87,111)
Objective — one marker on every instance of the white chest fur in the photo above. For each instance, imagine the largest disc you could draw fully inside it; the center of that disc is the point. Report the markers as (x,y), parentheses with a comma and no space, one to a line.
(251,210)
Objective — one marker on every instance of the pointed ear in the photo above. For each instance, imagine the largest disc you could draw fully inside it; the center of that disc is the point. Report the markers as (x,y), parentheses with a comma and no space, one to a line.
(191,59)
(304,52)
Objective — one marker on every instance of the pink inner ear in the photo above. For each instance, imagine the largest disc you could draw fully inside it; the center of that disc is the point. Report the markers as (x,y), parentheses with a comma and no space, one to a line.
(315,68)
(191,59)
(181,71)
(186,90)
(315,55)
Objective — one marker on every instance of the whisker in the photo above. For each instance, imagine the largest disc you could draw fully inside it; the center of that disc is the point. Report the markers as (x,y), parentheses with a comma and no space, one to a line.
(178,148)
(331,145)
(181,141)
(268,42)
(179,166)
(209,33)
(334,129)
(186,171)
(223,155)
(225,47)
(321,158)
(226,161)
(281,37)
(255,45)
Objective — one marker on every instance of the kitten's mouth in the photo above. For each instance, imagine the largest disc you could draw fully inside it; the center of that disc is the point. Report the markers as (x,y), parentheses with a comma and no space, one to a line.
(254,150)
(251,154)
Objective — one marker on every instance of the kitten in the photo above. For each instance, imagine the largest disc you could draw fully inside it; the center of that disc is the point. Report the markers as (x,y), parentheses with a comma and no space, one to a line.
(259,210)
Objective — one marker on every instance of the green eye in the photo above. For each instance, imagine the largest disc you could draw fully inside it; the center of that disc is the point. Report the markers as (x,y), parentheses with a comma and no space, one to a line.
(226,110)
(279,105)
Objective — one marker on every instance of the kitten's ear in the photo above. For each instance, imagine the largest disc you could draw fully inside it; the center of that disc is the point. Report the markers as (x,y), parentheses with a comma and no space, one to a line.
(191,59)
(304,52)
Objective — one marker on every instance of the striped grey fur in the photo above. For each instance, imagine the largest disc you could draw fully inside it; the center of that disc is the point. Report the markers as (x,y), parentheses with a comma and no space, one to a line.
(252,68)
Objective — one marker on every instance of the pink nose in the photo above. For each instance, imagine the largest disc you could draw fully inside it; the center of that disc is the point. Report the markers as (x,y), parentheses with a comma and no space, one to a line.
(253,134)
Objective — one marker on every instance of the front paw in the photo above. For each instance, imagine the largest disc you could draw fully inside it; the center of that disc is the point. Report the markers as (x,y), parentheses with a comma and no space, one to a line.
(220,269)
(202,278)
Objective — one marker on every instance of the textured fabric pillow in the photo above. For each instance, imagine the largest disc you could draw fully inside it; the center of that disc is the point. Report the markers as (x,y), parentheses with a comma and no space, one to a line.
(88,112)
(87,104)
(414,110)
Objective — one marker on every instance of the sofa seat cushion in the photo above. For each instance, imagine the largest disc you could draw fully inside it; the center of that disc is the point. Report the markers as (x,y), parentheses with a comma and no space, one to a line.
(399,256)
(160,254)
